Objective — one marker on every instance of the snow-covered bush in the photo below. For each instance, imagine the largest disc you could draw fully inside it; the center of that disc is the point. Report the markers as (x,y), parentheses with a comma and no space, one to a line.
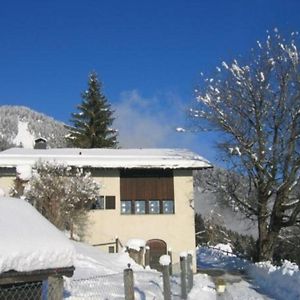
(63,195)
(280,282)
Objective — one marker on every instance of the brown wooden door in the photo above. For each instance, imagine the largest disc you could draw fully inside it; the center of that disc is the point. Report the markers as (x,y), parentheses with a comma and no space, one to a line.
(157,249)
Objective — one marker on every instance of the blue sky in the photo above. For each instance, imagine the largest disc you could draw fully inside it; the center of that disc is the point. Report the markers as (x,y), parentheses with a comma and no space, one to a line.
(148,54)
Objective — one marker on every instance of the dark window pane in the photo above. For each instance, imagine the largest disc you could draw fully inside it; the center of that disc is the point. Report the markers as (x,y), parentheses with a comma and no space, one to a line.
(110,202)
(126,207)
(111,249)
(98,203)
(154,207)
(7,171)
(168,206)
(140,207)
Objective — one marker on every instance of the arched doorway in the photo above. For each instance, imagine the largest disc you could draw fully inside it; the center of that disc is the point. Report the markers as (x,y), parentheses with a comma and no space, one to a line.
(157,249)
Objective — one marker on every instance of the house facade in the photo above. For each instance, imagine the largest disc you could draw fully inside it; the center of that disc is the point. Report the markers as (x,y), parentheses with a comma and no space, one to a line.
(144,193)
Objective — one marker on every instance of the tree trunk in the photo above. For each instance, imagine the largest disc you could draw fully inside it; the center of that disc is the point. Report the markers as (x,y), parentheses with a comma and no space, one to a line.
(266,242)
(267,233)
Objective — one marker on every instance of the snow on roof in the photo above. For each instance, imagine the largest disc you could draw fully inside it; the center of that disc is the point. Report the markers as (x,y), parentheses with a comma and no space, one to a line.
(106,158)
(28,241)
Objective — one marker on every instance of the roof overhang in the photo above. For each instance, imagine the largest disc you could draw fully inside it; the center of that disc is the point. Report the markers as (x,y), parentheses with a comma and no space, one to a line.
(10,277)
(106,158)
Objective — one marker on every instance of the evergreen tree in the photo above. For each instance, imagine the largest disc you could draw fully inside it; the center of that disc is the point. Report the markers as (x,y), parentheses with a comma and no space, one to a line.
(92,124)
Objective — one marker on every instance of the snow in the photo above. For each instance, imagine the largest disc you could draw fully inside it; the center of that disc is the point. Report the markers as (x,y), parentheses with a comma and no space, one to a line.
(165,260)
(203,289)
(24,137)
(136,244)
(262,76)
(277,282)
(2,193)
(106,158)
(24,172)
(224,64)
(28,241)
(90,262)
(99,275)
(237,149)
(180,129)
(280,282)
(224,247)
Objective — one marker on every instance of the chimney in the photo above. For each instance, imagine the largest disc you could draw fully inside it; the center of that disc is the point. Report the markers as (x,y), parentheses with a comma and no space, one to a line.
(40,143)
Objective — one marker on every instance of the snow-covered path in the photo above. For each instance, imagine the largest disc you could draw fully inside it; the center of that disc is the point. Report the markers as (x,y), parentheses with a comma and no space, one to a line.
(231,270)
(241,290)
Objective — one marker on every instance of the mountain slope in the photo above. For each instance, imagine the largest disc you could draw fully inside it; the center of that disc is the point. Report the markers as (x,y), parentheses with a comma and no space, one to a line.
(20,126)
(220,211)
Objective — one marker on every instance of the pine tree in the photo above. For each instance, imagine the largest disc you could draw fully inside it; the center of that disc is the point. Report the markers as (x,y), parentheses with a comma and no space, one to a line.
(92,124)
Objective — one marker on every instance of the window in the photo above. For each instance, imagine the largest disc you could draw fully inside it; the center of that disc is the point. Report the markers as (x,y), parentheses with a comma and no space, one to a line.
(140,207)
(154,207)
(126,207)
(110,202)
(99,203)
(7,171)
(150,191)
(104,202)
(111,249)
(168,207)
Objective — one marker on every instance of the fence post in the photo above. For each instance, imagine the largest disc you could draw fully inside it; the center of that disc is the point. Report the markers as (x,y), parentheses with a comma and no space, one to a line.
(183,276)
(128,283)
(170,267)
(55,288)
(147,256)
(165,261)
(190,271)
(117,245)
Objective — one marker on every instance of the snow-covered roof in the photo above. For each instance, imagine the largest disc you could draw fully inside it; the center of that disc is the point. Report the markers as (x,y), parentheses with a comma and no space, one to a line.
(106,158)
(28,241)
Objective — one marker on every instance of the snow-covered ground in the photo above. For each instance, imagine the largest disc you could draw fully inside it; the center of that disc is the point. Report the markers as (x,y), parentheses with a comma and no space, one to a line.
(99,275)
(266,280)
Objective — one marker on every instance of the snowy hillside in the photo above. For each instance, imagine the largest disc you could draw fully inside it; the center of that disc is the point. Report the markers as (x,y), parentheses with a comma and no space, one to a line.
(221,212)
(207,205)
(20,126)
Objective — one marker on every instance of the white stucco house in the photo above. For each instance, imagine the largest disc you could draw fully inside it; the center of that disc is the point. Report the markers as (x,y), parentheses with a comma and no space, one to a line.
(145,193)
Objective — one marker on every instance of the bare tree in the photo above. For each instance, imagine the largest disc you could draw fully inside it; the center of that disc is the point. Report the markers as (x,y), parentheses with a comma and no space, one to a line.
(256,107)
(63,195)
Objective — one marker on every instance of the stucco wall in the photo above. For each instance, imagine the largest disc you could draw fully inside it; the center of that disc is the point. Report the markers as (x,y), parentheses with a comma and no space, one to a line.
(6,183)
(177,230)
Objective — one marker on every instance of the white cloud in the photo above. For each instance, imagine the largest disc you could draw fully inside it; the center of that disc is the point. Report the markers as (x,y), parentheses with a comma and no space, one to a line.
(152,122)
